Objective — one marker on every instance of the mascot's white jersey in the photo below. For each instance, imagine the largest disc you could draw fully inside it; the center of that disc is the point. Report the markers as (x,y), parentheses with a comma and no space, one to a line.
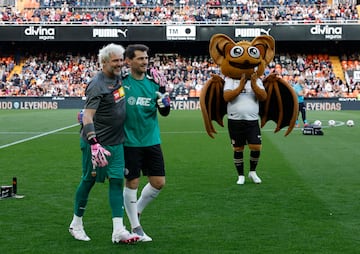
(245,106)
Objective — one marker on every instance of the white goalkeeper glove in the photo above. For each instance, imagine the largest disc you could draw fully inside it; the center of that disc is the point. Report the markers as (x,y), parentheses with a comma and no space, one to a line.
(163,99)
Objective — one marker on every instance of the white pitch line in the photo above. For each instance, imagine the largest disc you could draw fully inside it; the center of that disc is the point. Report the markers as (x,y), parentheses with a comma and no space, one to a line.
(37,136)
(339,123)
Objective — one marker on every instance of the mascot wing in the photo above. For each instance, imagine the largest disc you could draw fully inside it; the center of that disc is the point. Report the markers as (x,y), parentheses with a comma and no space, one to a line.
(281,105)
(212,103)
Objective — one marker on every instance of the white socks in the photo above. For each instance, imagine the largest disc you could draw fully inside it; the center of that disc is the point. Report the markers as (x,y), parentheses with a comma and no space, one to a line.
(118,224)
(76,221)
(130,203)
(148,193)
(133,206)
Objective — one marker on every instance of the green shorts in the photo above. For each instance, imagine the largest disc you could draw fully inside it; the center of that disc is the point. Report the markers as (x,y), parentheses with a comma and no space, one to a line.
(115,168)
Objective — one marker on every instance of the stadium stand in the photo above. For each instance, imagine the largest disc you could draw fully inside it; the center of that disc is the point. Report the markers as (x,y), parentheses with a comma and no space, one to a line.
(66,73)
(179,11)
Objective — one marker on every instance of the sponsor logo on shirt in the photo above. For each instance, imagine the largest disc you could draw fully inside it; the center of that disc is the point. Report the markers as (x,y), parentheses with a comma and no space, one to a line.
(119,94)
(140,101)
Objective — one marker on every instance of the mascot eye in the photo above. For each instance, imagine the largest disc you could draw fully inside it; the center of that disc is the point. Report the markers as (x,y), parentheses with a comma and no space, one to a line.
(236,51)
(254,52)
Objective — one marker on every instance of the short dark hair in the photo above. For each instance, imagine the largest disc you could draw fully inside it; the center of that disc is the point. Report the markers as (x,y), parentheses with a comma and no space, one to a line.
(130,50)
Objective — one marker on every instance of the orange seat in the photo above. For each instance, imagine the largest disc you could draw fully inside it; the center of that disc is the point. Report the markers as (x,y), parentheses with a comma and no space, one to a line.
(192,93)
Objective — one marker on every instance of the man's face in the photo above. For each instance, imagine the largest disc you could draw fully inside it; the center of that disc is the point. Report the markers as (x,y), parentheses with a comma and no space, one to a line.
(139,63)
(113,66)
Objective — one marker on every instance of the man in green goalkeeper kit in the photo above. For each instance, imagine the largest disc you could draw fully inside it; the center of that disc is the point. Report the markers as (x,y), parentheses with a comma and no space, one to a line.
(145,96)
(102,138)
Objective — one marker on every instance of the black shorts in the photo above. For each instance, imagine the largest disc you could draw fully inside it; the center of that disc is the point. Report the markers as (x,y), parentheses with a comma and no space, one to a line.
(148,160)
(243,132)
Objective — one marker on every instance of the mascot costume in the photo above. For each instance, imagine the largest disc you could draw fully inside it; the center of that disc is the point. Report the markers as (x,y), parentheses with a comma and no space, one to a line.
(243,96)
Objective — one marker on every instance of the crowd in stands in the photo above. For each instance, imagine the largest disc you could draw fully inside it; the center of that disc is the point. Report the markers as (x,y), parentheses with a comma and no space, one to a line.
(48,75)
(66,75)
(180,12)
(57,74)
(319,76)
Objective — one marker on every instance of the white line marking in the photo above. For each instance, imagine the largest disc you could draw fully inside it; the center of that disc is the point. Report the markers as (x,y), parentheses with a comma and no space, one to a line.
(33,132)
(338,123)
(37,136)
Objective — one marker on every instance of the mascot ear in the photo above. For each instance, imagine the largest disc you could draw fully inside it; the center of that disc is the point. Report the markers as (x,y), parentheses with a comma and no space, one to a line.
(266,45)
(217,47)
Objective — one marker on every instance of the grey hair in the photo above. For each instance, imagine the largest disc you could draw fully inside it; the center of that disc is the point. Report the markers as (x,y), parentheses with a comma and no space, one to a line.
(106,51)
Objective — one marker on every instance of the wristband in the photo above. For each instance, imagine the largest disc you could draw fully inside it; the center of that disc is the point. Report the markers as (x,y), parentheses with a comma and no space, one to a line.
(89,131)
(93,141)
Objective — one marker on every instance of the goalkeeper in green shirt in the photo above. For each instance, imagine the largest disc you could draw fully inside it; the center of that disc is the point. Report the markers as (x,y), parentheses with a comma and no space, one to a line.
(145,96)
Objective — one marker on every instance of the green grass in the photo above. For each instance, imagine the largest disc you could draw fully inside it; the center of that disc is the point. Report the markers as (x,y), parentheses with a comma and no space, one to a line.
(307,203)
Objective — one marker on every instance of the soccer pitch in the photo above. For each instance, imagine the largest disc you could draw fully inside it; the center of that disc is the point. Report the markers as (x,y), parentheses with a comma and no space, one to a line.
(308,201)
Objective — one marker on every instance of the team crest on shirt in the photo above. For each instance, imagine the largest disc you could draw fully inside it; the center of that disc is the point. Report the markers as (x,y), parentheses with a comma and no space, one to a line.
(119,94)
(131,100)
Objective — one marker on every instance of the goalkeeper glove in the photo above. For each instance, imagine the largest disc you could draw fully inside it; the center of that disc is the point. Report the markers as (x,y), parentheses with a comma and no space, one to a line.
(98,154)
(163,100)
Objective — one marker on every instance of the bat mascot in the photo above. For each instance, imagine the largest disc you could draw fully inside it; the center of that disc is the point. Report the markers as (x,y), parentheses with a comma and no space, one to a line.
(243,96)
